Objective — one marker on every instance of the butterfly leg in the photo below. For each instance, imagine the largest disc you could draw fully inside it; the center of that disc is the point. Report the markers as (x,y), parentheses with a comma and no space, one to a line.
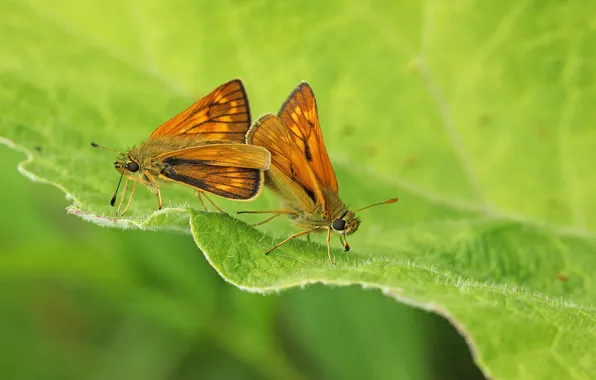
(290,238)
(329,246)
(157,191)
(122,197)
(214,205)
(266,212)
(275,212)
(198,194)
(132,192)
(267,220)
(159,201)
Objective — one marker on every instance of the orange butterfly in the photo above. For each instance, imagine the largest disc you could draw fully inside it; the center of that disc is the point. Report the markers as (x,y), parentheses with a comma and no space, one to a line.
(202,147)
(301,173)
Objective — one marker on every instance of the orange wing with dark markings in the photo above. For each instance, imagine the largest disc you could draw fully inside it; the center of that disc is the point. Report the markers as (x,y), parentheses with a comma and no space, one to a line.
(228,182)
(290,174)
(299,113)
(233,171)
(223,114)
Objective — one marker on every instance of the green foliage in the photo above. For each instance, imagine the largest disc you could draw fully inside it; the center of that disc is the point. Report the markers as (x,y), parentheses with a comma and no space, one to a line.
(478,117)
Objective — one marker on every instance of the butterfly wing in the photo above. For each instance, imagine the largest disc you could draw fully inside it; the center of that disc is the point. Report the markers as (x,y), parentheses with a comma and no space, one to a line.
(233,171)
(299,113)
(289,175)
(239,155)
(223,114)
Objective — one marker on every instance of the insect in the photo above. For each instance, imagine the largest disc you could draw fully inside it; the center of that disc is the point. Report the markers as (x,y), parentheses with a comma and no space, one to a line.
(202,147)
(301,173)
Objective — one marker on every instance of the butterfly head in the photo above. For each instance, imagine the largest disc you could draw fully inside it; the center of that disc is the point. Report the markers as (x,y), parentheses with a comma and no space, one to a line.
(346,224)
(126,164)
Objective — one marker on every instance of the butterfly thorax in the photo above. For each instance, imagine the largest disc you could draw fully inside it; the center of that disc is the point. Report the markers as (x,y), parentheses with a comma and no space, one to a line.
(309,221)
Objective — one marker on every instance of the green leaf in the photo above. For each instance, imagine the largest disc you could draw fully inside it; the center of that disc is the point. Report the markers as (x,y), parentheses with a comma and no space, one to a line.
(477,115)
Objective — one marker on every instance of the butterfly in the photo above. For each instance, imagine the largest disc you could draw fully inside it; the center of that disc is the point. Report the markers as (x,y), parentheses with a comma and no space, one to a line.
(301,172)
(202,147)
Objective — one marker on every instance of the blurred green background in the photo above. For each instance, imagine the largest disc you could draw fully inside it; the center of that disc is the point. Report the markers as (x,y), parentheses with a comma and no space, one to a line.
(84,302)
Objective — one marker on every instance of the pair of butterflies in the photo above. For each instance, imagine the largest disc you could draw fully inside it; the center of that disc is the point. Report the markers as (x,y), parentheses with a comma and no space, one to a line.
(213,148)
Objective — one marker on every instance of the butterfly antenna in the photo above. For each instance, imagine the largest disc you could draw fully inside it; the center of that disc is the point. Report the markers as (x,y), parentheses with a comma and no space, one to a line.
(113,200)
(392,200)
(95,145)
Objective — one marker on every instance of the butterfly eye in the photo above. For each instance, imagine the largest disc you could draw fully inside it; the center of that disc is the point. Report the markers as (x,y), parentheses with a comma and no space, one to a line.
(339,224)
(132,166)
